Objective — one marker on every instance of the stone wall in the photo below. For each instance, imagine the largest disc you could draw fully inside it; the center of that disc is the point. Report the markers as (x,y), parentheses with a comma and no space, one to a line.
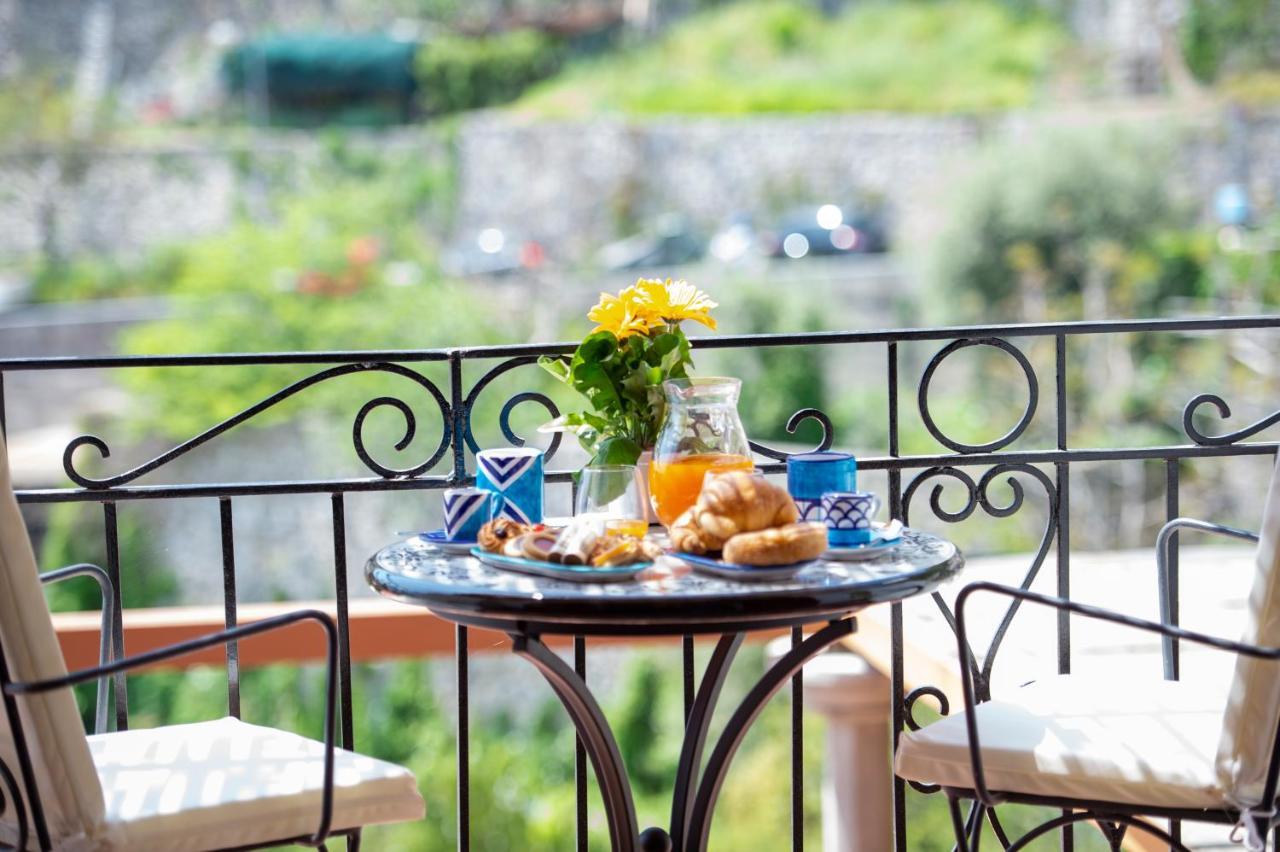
(124,201)
(576,185)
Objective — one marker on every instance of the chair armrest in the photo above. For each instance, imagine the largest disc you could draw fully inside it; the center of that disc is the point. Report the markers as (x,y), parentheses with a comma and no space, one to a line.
(966,672)
(1168,581)
(106,633)
(192,645)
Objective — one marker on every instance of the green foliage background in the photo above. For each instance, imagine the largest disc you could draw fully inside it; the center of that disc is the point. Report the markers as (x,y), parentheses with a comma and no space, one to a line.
(459,73)
(780,56)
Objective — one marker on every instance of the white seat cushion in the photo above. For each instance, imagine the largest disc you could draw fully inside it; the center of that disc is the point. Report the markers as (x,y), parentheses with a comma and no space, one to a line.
(1249,725)
(1111,739)
(227,783)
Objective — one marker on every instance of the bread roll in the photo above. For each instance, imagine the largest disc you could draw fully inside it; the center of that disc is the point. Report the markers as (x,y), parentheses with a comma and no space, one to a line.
(779,546)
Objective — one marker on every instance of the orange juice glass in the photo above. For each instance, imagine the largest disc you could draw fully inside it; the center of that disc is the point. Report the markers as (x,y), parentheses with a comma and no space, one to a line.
(701,432)
(637,528)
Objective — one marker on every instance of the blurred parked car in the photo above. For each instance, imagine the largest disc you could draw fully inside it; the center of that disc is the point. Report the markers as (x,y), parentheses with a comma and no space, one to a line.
(491,251)
(737,241)
(670,242)
(827,229)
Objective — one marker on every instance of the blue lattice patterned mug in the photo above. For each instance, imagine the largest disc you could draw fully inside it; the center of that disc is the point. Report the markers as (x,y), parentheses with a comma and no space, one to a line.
(849,515)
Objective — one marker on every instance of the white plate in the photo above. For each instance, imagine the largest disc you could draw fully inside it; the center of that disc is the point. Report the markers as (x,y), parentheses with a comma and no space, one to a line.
(572,573)
(744,573)
(453,548)
(884,537)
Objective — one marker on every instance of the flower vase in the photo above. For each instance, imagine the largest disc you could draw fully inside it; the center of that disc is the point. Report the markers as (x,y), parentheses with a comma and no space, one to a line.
(643,464)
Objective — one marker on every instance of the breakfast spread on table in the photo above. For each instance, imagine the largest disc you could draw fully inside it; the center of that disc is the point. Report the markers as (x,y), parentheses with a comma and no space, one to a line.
(720,515)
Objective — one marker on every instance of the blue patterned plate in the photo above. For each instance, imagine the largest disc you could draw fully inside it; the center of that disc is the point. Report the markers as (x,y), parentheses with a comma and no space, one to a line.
(460,547)
(572,573)
(745,573)
(884,537)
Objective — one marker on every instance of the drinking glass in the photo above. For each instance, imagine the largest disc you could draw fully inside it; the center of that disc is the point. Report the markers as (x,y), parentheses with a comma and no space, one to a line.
(612,493)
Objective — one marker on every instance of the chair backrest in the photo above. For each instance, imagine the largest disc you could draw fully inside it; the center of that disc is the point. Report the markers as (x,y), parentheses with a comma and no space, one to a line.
(1249,724)
(70,793)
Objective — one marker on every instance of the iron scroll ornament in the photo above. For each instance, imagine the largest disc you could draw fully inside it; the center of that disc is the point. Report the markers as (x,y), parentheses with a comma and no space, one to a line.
(1224,411)
(504,418)
(817,415)
(11,796)
(68,460)
(909,710)
(1033,394)
(977,495)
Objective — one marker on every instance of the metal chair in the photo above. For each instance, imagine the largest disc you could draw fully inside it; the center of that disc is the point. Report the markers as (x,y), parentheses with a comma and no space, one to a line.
(1117,752)
(221,784)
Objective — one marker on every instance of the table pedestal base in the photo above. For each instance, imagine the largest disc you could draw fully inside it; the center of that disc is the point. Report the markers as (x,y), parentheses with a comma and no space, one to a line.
(695,795)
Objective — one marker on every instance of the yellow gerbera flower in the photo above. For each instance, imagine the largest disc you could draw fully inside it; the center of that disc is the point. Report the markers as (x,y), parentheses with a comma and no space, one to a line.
(618,315)
(672,301)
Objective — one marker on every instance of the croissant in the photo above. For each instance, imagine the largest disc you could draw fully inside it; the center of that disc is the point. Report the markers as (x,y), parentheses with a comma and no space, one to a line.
(729,504)
(685,535)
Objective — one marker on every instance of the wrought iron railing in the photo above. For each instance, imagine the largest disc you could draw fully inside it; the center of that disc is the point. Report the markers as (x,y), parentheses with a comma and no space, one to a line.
(1000,458)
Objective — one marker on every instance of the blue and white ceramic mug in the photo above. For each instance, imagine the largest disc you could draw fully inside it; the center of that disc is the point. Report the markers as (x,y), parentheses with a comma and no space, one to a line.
(466,510)
(515,473)
(810,475)
(848,516)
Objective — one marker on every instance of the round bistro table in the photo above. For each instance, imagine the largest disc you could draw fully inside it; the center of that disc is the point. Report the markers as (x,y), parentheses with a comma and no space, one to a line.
(464,591)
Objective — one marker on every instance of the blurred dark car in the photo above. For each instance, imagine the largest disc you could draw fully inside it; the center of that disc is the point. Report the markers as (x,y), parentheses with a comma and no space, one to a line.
(827,229)
(670,242)
(491,251)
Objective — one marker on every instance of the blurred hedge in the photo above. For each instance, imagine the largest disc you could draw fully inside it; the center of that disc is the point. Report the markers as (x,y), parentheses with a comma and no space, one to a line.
(457,73)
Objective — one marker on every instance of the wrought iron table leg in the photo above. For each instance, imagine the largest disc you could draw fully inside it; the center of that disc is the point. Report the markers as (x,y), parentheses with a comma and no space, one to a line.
(695,734)
(718,766)
(597,739)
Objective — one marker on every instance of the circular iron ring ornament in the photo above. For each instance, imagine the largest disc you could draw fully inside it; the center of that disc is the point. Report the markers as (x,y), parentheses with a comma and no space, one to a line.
(1033,394)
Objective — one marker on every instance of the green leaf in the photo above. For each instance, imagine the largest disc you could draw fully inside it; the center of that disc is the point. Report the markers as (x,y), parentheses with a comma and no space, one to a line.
(664,343)
(556,366)
(595,383)
(596,348)
(617,450)
(671,362)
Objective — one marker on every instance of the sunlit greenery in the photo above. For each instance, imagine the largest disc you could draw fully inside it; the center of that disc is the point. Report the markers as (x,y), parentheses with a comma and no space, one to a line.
(459,73)
(777,56)
(1041,226)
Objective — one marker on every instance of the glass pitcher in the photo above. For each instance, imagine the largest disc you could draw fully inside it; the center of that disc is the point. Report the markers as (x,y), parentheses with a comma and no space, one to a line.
(702,432)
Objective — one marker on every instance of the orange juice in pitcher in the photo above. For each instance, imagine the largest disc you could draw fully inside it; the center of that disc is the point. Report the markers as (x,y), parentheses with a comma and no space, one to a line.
(702,432)
(675,484)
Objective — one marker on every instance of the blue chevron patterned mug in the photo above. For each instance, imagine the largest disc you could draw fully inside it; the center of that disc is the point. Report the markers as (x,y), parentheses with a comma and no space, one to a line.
(516,474)
(466,510)
(849,515)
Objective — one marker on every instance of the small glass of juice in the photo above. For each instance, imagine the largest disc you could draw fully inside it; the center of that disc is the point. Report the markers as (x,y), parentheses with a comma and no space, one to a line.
(613,494)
